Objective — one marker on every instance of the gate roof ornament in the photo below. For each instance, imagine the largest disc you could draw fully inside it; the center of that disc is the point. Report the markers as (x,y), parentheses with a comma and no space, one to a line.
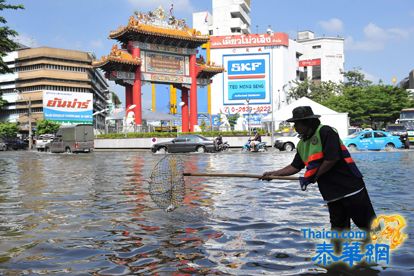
(156,24)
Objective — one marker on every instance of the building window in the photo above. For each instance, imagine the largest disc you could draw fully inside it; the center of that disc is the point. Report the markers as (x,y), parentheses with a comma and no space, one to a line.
(316,72)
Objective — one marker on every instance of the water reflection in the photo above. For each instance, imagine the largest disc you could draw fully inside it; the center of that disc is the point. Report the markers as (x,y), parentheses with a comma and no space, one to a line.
(91,213)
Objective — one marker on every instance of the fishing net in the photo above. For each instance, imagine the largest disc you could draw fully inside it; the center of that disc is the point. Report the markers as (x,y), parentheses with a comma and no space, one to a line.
(166,184)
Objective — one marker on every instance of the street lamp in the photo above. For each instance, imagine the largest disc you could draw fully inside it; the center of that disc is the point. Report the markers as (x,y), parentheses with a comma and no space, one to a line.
(248,115)
(132,106)
(96,119)
(29,114)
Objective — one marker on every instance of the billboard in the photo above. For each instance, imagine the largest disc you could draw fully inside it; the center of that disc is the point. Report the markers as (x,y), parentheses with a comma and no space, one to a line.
(246,79)
(68,107)
(249,40)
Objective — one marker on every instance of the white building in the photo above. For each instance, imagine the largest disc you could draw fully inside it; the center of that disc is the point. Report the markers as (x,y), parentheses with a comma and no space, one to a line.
(260,68)
(322,58)
(229,17)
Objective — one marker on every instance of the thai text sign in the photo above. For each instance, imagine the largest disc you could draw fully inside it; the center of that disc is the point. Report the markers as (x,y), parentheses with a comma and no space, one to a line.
(246,78)
(250,40)
(310,62)
(68,107)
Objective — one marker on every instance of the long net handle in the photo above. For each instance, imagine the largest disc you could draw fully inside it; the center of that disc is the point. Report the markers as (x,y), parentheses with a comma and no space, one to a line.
(240,175)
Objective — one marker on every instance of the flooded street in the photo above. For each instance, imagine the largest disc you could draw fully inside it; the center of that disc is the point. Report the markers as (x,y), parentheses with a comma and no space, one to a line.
(80,214)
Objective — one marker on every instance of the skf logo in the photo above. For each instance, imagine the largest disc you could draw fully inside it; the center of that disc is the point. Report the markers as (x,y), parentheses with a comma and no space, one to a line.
(244,67)
(237,67)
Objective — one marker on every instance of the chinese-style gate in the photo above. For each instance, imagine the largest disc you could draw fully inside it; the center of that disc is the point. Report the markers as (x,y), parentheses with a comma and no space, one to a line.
(156,48)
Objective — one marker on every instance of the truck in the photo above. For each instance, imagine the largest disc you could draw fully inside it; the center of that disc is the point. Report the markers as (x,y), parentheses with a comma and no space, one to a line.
(407,119)
(72,138)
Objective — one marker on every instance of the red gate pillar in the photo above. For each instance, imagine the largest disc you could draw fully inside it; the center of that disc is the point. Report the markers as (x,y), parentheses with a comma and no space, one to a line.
(193,92)
(184,110)
(128,96)
(136,90)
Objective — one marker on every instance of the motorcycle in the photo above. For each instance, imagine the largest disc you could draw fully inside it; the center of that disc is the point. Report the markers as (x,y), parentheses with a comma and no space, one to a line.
(258,148)
(223,146)
(220,145)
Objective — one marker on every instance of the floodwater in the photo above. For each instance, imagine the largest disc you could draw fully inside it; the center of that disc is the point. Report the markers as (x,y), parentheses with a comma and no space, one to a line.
(91,214)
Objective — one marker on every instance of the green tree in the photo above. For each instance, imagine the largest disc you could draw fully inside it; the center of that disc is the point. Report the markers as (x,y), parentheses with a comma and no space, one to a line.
(374,105)
(8,130)
(233,119)
(203,125)
(6,34)
(115,99)
(46,126)
(316,91)
(355,78)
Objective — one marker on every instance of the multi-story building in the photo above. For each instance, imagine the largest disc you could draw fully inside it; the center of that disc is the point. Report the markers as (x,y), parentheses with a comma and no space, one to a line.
(36,70)
(229,17)
(321,58)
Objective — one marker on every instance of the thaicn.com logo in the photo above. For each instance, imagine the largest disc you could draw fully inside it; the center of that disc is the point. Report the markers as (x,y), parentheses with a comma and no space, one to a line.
(354,247)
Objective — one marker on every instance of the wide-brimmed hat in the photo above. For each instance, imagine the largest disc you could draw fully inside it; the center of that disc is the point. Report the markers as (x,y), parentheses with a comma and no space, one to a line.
(302,113)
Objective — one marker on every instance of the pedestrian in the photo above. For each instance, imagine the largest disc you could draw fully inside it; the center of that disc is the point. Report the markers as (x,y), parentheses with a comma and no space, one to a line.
(328,162)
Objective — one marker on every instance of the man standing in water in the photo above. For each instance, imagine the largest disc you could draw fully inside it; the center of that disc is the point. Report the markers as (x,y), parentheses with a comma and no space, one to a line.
(328,162)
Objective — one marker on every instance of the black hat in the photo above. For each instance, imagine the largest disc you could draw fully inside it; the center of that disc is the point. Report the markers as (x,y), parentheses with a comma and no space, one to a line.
(302,113)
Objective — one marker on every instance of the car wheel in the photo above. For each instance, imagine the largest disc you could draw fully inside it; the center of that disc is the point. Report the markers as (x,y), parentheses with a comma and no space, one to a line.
(389,146)
(47,150)
(162,150)
(201,149)
(352,147)
(67,150)
(288,147)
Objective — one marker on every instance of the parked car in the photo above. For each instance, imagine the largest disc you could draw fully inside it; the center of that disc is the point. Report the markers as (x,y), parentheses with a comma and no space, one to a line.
(287,143)
(3,146)
(15,144)
(73,138)
(400,131)
(372,140)
(43,140)
(185,143)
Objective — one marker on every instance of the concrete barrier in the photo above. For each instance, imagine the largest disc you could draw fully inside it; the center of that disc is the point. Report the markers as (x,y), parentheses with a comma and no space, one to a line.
(146,143)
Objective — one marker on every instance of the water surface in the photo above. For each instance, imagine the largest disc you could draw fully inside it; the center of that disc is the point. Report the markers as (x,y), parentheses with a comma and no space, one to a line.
(80,214)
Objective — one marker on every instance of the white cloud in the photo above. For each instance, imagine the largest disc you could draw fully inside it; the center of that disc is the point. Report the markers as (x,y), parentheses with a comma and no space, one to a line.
(376,38)
(96,44)
(333,25)
(26,40)
(179,5)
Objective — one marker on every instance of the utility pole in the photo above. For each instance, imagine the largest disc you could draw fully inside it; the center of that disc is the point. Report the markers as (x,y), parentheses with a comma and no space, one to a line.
(29,114)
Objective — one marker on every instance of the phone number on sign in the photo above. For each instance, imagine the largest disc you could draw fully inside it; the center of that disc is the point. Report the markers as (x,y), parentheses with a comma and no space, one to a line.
(245,109)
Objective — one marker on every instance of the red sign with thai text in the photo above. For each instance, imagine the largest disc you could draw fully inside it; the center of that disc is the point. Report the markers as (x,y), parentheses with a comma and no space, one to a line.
(249,40)
(310,62)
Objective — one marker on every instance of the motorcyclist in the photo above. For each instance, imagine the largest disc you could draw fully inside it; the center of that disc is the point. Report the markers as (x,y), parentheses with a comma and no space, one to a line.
(255,140)
(219,141)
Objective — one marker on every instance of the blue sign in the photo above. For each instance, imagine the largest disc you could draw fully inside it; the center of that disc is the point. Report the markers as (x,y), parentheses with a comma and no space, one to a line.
(246,67)
(242,90)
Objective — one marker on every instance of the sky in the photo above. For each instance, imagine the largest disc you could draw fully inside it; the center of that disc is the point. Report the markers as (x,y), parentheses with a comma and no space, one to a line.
(379,34)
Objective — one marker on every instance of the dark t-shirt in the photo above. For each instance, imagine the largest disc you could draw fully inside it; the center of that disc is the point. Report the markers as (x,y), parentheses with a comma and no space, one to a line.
(339,180)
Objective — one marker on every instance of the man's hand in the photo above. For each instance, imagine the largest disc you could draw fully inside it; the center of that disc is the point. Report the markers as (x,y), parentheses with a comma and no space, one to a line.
(266,175)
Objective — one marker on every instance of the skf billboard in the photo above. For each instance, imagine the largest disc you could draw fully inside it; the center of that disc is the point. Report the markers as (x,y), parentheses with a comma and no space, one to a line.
(246,78)
(68,107)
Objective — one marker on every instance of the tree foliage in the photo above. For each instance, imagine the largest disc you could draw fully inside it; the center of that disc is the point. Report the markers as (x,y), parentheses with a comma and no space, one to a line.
(46,127)
(365,103)
(8,130)
(6,34)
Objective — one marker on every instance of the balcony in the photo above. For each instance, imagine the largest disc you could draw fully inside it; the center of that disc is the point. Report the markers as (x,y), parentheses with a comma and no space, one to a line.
(238,12)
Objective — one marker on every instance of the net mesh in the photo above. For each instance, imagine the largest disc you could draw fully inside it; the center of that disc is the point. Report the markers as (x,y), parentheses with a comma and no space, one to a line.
(166,184)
